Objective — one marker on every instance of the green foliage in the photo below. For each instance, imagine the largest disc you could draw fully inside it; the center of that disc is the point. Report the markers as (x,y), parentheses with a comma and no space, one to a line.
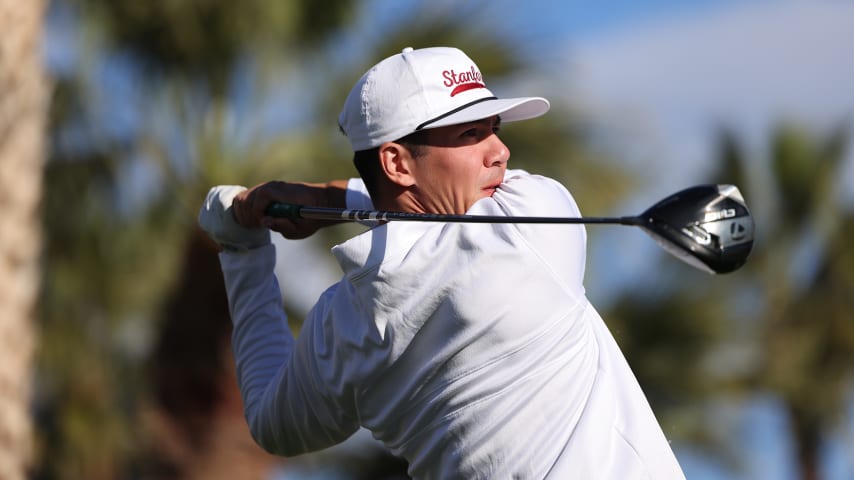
(804,170)
(806,327)
(787,311)
(110,262)
(205,39)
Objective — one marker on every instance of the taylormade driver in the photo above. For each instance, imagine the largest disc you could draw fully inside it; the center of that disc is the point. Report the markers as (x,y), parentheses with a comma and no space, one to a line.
(707,226)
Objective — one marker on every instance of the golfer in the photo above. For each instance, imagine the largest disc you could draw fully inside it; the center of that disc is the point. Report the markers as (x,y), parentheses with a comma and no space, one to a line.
(470,350)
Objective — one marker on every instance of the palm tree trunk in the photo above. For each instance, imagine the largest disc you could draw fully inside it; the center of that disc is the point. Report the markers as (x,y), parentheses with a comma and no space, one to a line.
(23,114)
(807,437)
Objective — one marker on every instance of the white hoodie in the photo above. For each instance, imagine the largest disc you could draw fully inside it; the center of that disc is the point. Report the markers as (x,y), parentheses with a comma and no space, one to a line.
(468,349)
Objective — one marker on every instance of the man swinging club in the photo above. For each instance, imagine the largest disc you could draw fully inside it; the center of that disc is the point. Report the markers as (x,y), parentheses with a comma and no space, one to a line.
(470,350)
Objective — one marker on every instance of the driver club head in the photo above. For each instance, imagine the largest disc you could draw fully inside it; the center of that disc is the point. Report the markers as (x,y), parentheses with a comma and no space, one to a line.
(707,226)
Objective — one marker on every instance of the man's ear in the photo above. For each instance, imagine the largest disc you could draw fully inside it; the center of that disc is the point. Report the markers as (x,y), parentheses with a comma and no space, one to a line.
(397,163)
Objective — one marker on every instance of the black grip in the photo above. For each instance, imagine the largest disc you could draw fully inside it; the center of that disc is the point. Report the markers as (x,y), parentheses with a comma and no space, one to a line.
(284,210)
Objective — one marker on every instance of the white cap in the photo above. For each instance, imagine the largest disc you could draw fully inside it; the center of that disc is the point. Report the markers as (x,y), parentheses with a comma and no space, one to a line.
(420,89)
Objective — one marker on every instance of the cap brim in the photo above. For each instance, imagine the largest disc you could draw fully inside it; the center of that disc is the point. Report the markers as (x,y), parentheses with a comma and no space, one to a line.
(510,110)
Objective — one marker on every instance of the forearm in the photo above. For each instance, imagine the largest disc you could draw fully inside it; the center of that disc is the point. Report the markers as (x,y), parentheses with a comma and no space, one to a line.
(261,340)
(287,411)
(335,193)
(250,206)
(349,193)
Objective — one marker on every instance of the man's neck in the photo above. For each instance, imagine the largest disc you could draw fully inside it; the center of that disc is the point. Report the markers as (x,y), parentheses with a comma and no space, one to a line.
(397,199)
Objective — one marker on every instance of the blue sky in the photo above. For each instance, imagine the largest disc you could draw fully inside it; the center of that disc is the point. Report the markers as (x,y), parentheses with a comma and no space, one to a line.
(662,82)
(743,64)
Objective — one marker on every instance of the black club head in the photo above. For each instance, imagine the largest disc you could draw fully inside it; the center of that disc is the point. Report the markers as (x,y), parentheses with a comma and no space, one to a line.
(707,226)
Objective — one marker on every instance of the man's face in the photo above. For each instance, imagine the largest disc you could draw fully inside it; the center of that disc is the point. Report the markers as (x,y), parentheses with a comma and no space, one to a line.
(459,165)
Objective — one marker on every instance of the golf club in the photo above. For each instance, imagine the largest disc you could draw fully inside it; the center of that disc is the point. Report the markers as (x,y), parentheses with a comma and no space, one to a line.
(706,226)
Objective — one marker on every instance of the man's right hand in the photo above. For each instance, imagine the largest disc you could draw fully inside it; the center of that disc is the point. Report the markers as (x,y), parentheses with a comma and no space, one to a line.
(249,206)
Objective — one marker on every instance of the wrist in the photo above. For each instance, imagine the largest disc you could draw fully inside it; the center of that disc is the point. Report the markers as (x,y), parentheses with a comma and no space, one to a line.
(217,220)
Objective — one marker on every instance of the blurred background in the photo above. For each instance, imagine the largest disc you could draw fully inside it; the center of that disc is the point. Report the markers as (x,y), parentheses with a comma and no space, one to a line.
(116,117)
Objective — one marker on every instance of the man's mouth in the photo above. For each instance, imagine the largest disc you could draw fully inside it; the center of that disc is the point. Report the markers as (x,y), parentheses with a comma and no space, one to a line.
(490,190)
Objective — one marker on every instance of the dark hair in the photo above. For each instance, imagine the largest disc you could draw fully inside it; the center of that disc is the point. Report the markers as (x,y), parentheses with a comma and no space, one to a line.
(367,162)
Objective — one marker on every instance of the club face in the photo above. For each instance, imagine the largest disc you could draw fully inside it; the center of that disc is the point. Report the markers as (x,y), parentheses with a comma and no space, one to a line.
(707,226)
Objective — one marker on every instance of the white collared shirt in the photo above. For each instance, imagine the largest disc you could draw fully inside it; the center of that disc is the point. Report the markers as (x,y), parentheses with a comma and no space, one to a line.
(468,349)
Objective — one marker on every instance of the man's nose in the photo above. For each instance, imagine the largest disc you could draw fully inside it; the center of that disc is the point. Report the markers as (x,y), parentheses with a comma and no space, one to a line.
(497,154)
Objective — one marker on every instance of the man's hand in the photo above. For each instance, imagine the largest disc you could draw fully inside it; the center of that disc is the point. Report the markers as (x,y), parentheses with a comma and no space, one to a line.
(249,206)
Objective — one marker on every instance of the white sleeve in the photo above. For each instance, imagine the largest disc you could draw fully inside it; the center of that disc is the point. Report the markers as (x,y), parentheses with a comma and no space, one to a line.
(564,246)
(282,408)
(357,195)
(514,172)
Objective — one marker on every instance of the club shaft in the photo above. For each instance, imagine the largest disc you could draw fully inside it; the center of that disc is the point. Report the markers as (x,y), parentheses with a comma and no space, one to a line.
(337,214)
